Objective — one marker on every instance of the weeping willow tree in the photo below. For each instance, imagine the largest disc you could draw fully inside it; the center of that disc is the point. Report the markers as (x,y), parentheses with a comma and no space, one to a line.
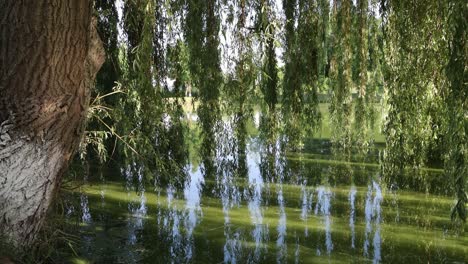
(361,129)
(374,89)
(141,107)
(341,107)
(318,45)
(145,124)
(292,96)
(456,164)
(307,52)
(269,80)
(201,30)
(98,140)
(300,99)
(415,59)
(45,94)
(170,75)
(323,9)
(240,81)
(148,122)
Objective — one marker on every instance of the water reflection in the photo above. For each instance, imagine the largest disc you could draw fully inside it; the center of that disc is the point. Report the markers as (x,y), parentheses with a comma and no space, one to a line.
(137,210)
(255,200)
(232,247)
(172,224)
(323,207)
(352,214)
(192,195)
(306,207)
(281,244)
(301,209)
(228,190)
(373,219)
(85,215)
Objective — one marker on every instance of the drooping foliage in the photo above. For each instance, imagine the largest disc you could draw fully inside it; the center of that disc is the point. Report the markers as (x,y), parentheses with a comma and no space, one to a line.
(240,78)
(300,99)
(267,38)
(406,59)
(323,45)
(141,118)
(143,123)
(341,105)
(362,59)
(201,30)
(97,137)
(415,58)
(307,52)
(456,99)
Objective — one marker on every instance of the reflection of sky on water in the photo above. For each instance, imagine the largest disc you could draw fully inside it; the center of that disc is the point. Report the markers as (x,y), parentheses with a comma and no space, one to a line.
(255,187)
(171,223)
(137,211)
(227,189)
(306,207)
(85,214)
(352,214)
(233,245)
(372,211)
(368,217)
(192,194)
(297,256)
(377,216)
(323,208)
(181,221)
(275,212)
(281,240)
(86,218)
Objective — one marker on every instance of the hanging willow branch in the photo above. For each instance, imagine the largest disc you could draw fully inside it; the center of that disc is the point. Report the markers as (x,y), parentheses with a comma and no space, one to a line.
(300,87)
(414,81)
(456,164)
(341,102)
(201,30)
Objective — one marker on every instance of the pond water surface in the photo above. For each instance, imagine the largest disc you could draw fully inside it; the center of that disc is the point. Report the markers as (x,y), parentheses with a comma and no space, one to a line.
(280,207)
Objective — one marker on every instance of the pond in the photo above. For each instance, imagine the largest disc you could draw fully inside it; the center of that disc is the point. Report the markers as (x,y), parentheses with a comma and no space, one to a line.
(279,207)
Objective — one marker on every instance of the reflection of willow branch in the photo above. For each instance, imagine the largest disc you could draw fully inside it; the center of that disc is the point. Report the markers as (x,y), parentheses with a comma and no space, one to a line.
(341,166)
(373,213)
(281,243)
(323,207)
(456,164)
(193,210)
(307,197)
(255,199)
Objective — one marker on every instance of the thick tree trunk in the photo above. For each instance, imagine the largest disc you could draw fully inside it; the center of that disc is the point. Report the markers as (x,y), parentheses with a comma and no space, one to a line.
(49,55)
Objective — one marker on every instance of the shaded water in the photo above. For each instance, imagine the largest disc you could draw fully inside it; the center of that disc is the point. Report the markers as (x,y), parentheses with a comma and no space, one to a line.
(280,208)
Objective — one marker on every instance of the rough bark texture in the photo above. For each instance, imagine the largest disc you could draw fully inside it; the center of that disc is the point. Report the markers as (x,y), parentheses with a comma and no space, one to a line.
(49,55)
